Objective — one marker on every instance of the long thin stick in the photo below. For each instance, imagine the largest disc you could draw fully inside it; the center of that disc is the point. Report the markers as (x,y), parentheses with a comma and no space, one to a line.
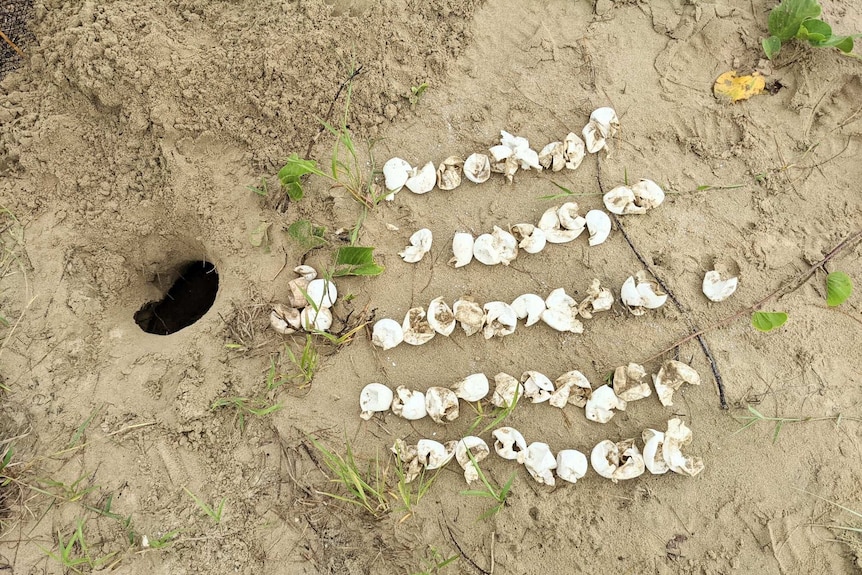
(12,44)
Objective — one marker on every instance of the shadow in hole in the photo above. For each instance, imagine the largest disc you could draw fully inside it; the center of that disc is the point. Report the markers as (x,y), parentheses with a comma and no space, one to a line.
(189,298)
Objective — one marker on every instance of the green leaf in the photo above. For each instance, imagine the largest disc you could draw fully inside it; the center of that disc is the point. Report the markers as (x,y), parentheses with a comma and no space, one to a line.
(356,261)
(814,31)
(771,46)
(838,288)
(768,320)
(843,43)
(786,18)
(293,170)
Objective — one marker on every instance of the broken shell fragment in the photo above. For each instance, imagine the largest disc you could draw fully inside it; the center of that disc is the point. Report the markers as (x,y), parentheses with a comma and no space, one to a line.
(505,244)
(509,443)
(621,201)
(558,298)
(462,249)
(647,194)
(500,319)
(574,151)
(598,299)
(563,319)
(477,168)
(717,289)
(537,387)
(387,333)
(449,173)
(478,449)
(420,244)
(408,403)
(530,238)
(433,454)
(472,388)
(284,319)
(322,292)
(553,156)
(507,391)
(422,181)
(540,462)
(571,465)
(653,453)
(631,297)
(617,461)
(409,457)
(306,272)
(469,314)
(602,125)
(441,403)
(599,225)
(440,317)
(569,218)
(529,306)
(315,320)
(677,436)
(631,382)
(554,232)
(500,153)
(484,250)
(572,388)
(670,378)
(374,398)
(395,174)
(549,220)
(416,328)
(602,402)
(650,291)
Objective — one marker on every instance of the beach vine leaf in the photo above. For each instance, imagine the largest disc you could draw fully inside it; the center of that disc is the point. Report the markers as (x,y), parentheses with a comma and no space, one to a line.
(799,19)
(356,261)
(838,288)
(768,320)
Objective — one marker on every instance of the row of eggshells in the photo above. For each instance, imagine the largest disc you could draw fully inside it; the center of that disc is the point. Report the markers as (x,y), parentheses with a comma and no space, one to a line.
(630,383)
(613,460)
(512,153)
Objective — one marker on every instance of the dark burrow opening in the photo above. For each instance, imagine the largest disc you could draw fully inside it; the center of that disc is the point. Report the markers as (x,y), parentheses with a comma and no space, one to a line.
(188,299)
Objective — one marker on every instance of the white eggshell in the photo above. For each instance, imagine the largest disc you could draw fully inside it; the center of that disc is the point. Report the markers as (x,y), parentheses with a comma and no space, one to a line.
(420,244)
(322,292)
(571,465)
(509,443)
(599,225)
(529,306)
(474,387)
(462,249)
(395,173)
(717,289)
(387,333)
(424,180)
(477,168)
(374,398)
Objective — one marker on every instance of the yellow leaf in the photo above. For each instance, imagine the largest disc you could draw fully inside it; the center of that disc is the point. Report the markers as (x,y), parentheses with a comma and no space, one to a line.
(733,88)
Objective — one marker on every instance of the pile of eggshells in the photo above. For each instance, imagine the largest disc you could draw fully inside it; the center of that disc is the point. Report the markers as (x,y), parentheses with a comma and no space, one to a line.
(513,153)
(616,461)
(309,301)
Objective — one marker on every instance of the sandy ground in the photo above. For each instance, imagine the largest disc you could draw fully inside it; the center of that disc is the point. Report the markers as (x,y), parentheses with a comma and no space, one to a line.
(128,140)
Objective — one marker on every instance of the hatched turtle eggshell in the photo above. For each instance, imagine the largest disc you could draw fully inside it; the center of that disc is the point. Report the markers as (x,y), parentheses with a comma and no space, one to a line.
(422,181)
(540,462)
(606,119)
(602,402)
(319,320)
(571,465)
(647,194)
(440,317)
(552,157)
(441,403)
(677,436)
(322,292)
(529,306)
(530,238)
(563,319)
(717,289)
(670,378)
(621,200)
(462,249)
(574,151)
(374,398)
(306,272)
(617,461)
(599,225)
(500,319)
(558,298)
(631,297)
(409,457)
(549,220)
(653,456)
(469,314)
(408,403)
(433,454)
(528,159)
(416,328)
(500,153)
(420,244)
(477,168)
(474,387)
(631,382)
(285,319)
(509,443)
(507,390)
(569,218)
(537,387)
(449,173)
(387,333)
(485,251)
(505,244)
(651,293)
(477,448)
(572,388)
(395,173)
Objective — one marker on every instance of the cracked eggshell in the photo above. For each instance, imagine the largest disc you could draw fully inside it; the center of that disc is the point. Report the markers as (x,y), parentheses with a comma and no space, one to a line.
(621,201)
(648,194)
(572,388)
(472,388)
(549,220)
(509,443)
(601,403)
(552,157)
(408,403)
(449,173)
(322,292)
(507,390)
(440,317)
(574,151)
(409,456)
(631,382)
(631,297)
(670,378)
(485,251)
(677,436)
(651,293)
(717,289)
(285,319)
(311,320)
(506,244)
(529,306)
(395,174)
(537,386)
(530,238)
(571,465)
(598,299)
(306,272)
(563,319)
(617,461)
(477,168)
(477,448)
(433,454)
(653,453)
(416,328)
(599,225)
(441,404)
(469,314)
(558,298)
(540,462)
(528,159)
(500,153)
(500,319)
(462,249)
(603,124)
(422,181)
(374,398)
(420,244)
(387,333)
(570,219)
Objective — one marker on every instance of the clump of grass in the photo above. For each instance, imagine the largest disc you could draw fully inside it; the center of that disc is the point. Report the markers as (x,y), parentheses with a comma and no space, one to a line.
(74,553)
(435,562)
(499,414)
(214,513)
(411,493)
(246,407)
(779,422)
(497,493)
(366,490)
